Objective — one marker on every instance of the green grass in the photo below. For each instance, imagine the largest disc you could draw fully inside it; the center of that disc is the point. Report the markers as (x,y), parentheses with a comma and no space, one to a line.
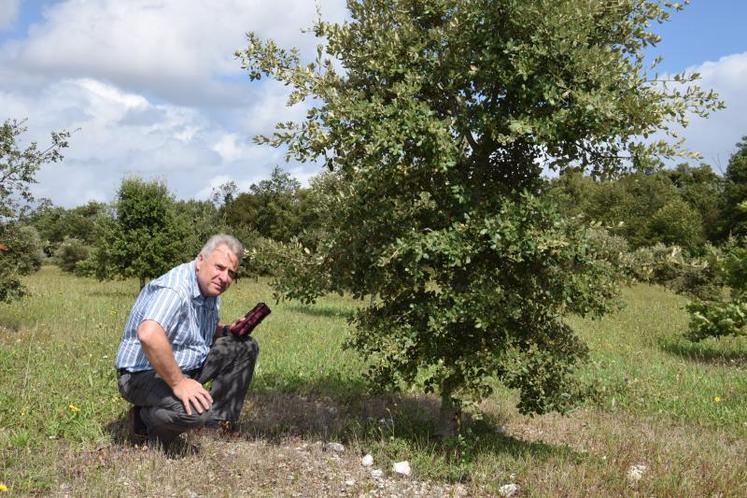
(680,408)
(646,366)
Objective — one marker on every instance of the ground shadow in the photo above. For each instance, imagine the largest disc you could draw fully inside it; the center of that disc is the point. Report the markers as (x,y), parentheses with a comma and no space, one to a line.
(118,431)
(704,352)
(327,411)
(9,325)
(374,421)
(334,386)
(120,436)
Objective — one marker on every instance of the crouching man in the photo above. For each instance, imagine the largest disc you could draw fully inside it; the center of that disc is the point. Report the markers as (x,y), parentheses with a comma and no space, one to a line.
(173,343)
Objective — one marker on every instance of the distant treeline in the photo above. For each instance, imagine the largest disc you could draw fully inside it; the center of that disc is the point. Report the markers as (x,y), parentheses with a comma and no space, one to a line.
(145,230)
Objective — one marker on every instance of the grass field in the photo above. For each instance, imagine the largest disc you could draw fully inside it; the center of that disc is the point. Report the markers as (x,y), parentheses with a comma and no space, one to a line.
(676,408)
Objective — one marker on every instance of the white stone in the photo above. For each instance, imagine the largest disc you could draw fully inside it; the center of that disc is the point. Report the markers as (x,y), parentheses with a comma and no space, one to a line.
(336,447)
(402,468)
(635,472)
(367,461)
(377,473)
(350,482)
(508,490)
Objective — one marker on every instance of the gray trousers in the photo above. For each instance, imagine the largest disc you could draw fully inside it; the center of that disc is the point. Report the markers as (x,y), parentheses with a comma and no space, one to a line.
(230,365)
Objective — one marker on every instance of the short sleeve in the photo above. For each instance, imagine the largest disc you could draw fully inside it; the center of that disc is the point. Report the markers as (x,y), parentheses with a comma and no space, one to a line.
(164,308)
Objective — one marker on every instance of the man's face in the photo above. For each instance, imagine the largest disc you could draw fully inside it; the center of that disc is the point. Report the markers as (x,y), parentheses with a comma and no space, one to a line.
(216,271)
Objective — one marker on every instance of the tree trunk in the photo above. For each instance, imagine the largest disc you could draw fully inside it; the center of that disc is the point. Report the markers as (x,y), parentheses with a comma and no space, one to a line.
(449,417)
(142,282)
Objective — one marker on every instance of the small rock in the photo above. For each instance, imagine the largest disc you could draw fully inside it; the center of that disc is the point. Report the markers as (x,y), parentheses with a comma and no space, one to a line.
(635,472)
(367,461)
(350,482)
(402,468)
(377,473)
(508,490)
(336,447)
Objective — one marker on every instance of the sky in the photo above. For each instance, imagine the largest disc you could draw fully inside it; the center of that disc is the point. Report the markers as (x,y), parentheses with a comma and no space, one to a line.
(152,88)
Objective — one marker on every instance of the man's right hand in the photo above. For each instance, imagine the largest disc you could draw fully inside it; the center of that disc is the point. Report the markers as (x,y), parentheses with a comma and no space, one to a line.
(191,392)
(157,349)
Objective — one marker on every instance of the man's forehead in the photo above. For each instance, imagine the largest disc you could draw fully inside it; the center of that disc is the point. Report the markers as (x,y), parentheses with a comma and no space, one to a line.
(222,252)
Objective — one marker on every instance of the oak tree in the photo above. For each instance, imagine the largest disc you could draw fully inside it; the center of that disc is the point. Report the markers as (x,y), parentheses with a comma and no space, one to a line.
(439,116)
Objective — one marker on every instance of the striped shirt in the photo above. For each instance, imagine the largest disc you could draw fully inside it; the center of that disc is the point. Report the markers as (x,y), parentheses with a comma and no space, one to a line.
(174,301)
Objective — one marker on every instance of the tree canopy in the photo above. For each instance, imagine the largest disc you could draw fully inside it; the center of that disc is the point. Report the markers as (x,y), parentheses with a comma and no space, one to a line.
(145,238)
(20,247)
(735,194)
(274,208)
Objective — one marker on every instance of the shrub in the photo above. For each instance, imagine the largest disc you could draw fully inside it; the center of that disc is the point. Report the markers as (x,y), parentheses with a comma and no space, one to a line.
(70,253)
(717,316)
(670,267)
(20,254)
(28,249)
(676,223)
(717,319)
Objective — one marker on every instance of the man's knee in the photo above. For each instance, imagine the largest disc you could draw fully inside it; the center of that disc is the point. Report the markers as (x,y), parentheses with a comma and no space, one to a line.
(174,418)
(236,347)
(253,346)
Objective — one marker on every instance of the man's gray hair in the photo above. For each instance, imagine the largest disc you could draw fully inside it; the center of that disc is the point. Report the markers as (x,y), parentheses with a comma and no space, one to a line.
(222,239)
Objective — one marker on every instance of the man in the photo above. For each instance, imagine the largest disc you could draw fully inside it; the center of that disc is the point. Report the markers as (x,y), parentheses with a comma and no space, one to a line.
(173,343)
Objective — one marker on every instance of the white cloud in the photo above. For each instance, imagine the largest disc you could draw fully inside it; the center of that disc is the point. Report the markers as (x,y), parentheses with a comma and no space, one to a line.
(179,50)
(8,13)
(122,134)
(228,147)
(153,90)
(715,138)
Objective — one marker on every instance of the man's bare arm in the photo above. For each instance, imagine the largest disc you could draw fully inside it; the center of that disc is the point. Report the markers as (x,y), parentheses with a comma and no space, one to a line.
(157,349)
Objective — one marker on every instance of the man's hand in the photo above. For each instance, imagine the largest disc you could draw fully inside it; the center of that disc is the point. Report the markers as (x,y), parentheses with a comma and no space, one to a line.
(191,392)
(246,324)
(157,349)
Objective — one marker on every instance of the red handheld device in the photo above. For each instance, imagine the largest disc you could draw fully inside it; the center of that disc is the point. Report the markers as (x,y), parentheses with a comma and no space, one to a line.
(253,318)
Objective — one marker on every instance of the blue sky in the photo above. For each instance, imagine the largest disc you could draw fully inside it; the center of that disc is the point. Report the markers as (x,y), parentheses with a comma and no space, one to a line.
(155,91)
(705,30)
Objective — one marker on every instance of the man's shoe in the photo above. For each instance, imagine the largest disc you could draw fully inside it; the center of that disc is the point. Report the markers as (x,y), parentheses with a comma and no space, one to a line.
(137,428)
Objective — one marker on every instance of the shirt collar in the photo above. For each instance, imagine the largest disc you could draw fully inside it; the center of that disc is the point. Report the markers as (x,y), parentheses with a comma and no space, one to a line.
(197,296)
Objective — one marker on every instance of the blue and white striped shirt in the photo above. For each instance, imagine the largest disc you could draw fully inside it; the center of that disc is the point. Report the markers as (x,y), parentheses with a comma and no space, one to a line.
(174,301)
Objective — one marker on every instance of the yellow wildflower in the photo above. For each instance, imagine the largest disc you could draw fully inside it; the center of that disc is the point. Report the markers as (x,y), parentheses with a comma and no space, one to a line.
(3,488)
(73,408)
(717,399)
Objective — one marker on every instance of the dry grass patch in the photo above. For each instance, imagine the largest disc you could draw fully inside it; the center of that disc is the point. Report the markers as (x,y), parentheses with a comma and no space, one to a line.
(239,466)
(679,460)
